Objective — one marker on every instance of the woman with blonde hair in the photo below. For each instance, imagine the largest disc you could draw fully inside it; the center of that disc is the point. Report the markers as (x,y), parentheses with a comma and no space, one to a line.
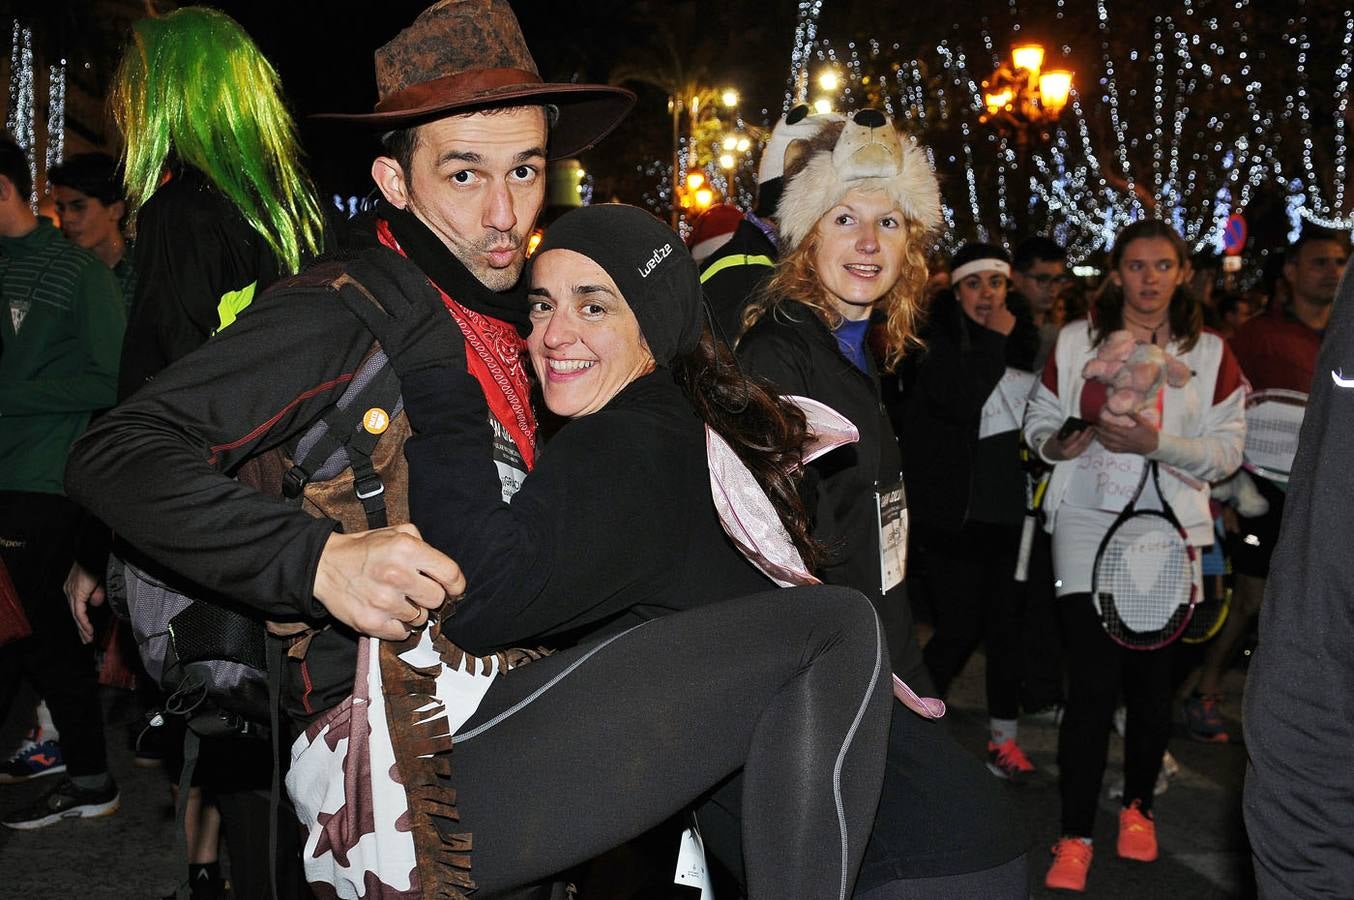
(856,220)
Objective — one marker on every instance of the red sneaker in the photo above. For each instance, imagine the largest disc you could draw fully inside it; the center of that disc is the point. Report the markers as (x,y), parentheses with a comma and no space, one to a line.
(1137,834)
(1071,861)
(1007,760)
(1203,719)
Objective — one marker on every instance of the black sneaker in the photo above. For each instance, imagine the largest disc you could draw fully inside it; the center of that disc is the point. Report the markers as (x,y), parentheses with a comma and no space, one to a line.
(65,801)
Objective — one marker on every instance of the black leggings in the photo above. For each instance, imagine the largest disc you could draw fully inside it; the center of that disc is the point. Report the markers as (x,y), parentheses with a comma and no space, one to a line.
(574,754)
(1098,670)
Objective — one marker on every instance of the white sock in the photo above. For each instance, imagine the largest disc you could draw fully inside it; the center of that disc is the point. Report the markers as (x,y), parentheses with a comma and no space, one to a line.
(46,728)
(1003,730)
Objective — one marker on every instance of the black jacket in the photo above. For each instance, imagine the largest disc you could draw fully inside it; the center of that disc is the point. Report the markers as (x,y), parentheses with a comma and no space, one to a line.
(1298,723)
(614,526)
(158,467)
(192,248)
(936,402)
(792,347)
(736,272)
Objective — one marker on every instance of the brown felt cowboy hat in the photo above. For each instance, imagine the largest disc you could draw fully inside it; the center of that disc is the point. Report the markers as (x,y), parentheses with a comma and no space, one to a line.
(464,55)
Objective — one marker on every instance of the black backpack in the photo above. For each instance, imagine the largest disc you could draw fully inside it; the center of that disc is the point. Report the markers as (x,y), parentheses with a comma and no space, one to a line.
(210,657)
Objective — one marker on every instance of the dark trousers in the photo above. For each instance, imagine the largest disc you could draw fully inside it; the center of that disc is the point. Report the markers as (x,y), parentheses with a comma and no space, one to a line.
(970,578)
(1043,651)
(37,540)
(1098,671)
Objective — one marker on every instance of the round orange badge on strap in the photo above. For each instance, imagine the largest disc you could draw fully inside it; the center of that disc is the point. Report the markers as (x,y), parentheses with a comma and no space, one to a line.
(375,420)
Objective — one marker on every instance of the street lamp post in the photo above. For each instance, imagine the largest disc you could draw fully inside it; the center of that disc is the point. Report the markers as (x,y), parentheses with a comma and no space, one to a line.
(694,101)
(1021,102)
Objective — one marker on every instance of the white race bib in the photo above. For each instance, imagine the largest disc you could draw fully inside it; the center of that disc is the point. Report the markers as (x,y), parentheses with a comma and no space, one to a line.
(512,470)
(891,515)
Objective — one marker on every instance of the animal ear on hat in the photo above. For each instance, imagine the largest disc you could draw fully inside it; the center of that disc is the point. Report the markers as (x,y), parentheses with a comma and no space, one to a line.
(796,151)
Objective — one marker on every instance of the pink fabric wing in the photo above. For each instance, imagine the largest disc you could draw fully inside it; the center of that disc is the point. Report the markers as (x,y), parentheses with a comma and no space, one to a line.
(751,521)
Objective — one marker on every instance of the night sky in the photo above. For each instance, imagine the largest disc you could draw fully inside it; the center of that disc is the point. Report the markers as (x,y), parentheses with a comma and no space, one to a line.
(326,64)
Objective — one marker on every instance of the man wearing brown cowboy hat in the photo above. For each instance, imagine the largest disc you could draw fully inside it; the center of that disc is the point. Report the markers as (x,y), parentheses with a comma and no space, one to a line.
(468,127)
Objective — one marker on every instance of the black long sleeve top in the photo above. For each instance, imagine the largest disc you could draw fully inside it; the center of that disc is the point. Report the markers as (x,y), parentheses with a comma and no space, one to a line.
(613,527)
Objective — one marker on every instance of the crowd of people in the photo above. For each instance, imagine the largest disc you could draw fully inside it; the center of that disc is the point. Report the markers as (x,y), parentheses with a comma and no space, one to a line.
(633,539)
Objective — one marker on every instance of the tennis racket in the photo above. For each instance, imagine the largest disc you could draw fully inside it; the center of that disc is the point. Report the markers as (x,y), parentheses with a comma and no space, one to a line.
(1143,579)
(1273,421)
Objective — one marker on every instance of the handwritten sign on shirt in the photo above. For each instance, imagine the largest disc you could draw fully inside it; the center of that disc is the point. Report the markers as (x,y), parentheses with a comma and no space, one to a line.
(1104,480)
(1005,406)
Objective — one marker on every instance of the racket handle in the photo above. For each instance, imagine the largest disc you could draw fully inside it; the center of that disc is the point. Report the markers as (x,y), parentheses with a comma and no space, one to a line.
(1022,569)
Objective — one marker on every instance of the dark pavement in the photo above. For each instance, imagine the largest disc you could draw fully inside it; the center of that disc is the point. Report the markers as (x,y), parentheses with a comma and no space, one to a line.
(1203,845)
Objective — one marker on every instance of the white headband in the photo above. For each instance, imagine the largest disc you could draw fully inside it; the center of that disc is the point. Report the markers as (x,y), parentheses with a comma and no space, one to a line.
(986,264)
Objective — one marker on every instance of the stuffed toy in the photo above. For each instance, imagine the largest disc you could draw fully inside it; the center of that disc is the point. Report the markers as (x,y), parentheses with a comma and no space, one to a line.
(1134,371)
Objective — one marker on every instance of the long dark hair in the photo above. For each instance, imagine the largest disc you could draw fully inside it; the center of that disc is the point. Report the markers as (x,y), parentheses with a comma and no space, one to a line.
(766,432)
(1185,315)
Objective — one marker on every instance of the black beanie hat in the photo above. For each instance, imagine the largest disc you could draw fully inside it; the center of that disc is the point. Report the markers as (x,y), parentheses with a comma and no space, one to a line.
(649,263)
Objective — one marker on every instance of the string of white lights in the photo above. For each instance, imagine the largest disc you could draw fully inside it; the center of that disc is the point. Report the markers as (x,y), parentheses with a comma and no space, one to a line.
(56,115)
(21,94)
(806,33)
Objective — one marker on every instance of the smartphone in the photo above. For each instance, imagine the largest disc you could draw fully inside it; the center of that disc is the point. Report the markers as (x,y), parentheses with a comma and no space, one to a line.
(1072,426)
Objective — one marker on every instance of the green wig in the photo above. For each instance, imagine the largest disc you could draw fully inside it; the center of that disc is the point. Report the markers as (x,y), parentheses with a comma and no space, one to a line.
(193,86)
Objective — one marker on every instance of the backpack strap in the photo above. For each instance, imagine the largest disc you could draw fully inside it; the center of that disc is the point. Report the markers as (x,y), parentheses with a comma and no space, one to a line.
(356,422)
(354,425)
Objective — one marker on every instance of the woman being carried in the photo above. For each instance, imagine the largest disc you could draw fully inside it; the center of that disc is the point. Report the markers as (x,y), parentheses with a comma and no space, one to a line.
(668,677)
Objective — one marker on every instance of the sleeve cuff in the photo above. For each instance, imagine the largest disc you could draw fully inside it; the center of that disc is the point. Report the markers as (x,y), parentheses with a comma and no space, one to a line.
(1173,450)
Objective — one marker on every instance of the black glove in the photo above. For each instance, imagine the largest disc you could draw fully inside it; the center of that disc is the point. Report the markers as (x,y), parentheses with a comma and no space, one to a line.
(404,312)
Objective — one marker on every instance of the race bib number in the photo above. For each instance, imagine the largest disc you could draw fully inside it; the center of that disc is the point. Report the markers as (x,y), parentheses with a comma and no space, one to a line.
(1005,406)
(1104,480)
(512,470)
(891,506)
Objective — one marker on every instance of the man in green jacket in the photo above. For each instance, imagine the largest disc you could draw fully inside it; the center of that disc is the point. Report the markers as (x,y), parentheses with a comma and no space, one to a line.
(61,324)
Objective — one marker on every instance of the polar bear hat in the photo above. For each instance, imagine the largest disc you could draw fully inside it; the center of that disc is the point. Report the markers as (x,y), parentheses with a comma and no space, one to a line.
(864,151)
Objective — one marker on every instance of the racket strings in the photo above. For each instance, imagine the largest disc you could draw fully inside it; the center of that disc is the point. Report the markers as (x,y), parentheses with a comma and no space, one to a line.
(1144,581)
(1271,436)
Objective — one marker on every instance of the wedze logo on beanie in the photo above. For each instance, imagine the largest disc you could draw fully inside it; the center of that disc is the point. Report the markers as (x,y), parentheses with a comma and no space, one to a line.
(659,254)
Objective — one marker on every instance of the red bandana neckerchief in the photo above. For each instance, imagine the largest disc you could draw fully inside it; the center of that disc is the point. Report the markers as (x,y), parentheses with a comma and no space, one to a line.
(494,356)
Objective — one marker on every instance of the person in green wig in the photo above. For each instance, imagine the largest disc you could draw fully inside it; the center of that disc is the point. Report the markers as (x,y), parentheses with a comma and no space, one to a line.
(214,177)
(223,207)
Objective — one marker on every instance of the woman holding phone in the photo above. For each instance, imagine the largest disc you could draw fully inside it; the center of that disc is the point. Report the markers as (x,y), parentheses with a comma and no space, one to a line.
(1096,469)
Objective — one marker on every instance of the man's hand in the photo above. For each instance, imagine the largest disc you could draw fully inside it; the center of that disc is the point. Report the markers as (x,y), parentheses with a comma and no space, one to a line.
(83,590)
(1058,449)
(1140,438)
(383,582)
